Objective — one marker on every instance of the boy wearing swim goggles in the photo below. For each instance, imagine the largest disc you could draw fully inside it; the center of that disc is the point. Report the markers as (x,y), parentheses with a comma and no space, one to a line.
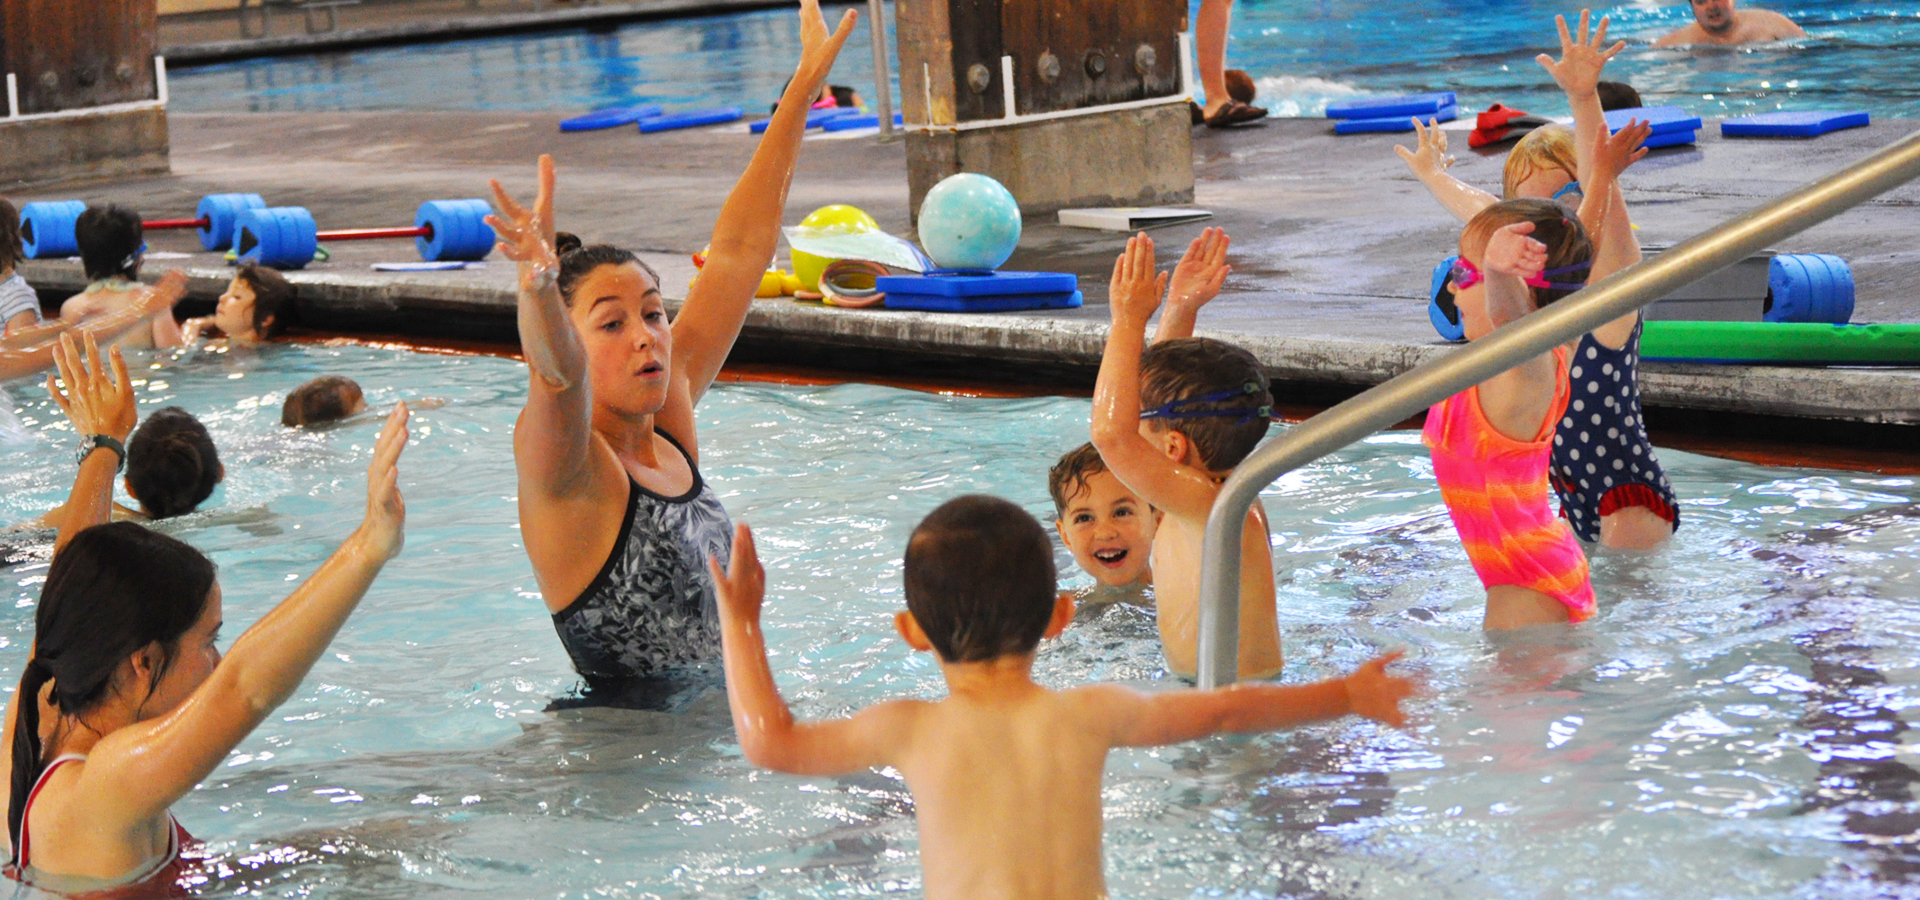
(1207,406)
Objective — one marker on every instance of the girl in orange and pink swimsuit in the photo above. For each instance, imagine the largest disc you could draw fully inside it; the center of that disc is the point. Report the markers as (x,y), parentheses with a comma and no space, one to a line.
(1492,442)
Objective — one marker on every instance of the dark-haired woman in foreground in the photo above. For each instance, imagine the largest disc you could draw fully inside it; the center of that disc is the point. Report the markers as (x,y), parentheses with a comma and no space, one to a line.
(616,518)
(126,685)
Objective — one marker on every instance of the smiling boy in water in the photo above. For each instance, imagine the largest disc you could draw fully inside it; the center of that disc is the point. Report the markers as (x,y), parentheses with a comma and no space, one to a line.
(1005,774)
(1106,527)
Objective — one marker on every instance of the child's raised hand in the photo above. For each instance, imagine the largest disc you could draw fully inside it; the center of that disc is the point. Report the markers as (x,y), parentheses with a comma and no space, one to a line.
(1135,290)
(96,401)
(1511,252)
(743,585)
(1372,693)
(164,294)
(818,48)
(1430,154)
(384,528)
(1578,69)
(1613,153)
(1201,271)
(526,235)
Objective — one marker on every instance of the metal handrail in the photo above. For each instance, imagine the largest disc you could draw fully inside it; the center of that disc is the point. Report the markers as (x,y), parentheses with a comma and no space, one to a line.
(1435,380)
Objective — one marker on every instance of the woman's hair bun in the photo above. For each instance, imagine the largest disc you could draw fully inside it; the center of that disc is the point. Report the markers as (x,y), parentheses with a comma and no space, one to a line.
(565,242)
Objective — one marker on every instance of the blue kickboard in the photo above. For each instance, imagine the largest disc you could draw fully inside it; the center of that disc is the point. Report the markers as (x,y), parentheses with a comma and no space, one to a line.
(1812,123)
(1663,118)
(1670,139)
(815,119)
(611,117)
(996,303)
(1383,107)
(1394,123)
(692,119)
(848,123)
(979,284)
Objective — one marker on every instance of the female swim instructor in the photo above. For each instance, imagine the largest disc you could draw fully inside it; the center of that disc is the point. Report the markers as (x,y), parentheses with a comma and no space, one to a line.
(615,515)
(126,703)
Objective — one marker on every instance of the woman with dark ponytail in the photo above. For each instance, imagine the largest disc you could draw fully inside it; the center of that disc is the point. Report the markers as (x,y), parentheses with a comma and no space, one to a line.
(126,703)
(617,520)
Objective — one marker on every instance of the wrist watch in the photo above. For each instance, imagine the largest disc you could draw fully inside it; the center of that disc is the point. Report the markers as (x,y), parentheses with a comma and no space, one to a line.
(94,442)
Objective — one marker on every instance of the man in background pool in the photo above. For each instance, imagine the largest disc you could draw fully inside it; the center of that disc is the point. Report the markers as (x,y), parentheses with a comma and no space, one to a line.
(1717,22)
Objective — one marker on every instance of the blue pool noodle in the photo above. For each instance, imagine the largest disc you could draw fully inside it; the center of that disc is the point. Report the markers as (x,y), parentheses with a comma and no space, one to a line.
(815,119)
(694,119)
(848,123)
(1394,123)
(612,117)
(1421,105)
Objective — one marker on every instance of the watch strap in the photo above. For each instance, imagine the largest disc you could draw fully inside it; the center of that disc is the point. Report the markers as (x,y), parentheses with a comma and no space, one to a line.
(94,442)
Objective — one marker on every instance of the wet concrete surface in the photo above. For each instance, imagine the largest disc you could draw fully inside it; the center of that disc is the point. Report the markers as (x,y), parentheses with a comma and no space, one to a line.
(1334,241)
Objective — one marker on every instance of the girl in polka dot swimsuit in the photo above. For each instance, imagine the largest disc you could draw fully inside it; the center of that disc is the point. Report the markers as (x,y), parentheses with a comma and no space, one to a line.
(1610,485)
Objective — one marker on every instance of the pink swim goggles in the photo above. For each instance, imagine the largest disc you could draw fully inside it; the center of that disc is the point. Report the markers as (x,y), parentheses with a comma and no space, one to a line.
(1465,275)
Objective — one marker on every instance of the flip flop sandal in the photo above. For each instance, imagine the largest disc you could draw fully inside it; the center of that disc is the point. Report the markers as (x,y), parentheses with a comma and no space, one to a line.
(1235,113)
(1199,114)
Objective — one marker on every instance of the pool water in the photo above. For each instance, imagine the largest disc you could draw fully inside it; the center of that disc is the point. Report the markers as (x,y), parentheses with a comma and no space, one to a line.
(1860,55)
(1731,725)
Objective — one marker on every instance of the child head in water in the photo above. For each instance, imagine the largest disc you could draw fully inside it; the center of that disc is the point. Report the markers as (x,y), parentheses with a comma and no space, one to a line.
(256,306)
(172,466)
(1106,527)
(1209,395)
(980,582)
(328,398)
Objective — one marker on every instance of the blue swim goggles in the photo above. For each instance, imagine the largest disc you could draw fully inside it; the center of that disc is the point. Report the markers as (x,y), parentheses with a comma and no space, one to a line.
(1180,409)
(1573,187)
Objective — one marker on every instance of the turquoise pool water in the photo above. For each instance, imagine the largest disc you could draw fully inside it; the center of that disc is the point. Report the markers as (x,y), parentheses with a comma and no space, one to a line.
(1862,54)
(1731,725)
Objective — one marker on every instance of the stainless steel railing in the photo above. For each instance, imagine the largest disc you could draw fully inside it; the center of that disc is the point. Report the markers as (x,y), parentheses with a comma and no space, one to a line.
(1432,381)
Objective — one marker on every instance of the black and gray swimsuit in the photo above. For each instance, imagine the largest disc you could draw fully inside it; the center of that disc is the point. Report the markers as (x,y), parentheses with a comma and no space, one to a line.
(651,613)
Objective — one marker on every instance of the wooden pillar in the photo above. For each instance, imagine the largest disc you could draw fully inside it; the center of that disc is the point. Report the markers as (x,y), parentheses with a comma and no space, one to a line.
(1118,60)
(85,75)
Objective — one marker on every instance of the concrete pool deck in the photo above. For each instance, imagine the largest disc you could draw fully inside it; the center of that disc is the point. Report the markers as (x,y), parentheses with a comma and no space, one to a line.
(1334,243)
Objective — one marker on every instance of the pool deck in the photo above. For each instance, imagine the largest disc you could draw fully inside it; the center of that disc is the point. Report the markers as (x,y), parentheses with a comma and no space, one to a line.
(1334,243)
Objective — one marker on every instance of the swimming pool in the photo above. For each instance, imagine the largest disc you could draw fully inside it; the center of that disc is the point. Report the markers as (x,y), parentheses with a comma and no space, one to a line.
(1730,725)
(1862,55)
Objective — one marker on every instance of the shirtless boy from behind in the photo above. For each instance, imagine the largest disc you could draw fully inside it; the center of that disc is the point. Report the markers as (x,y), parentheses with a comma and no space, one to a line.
(1005,774)
(1717,22)
(1208,405)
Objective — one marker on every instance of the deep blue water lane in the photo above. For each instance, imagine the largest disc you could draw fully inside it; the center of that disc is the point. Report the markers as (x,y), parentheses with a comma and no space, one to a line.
(1859,55)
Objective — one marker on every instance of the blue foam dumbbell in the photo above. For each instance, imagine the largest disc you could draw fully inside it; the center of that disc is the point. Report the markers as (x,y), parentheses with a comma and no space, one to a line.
(1810,287)
(286,237)
(46,228)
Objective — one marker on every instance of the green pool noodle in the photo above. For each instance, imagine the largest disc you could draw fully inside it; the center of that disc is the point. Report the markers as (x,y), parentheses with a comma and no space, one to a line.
(1781,342)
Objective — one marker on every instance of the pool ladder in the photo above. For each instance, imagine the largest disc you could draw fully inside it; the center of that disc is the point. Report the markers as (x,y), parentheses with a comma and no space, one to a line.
(1430,382)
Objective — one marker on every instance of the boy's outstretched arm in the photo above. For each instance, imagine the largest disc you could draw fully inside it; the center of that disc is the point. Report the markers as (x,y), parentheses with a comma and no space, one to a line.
(1429,162)
(746,234)
(1134,294)
(1196,280)
(1148,720)
(769,736)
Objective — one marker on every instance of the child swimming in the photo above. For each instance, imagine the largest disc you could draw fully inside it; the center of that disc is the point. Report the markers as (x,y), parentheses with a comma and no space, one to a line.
(256,307)
(617,519)
(1005,774)
(1208,406)
(172,467)
(111,247)
(140,705)
(1638,512)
